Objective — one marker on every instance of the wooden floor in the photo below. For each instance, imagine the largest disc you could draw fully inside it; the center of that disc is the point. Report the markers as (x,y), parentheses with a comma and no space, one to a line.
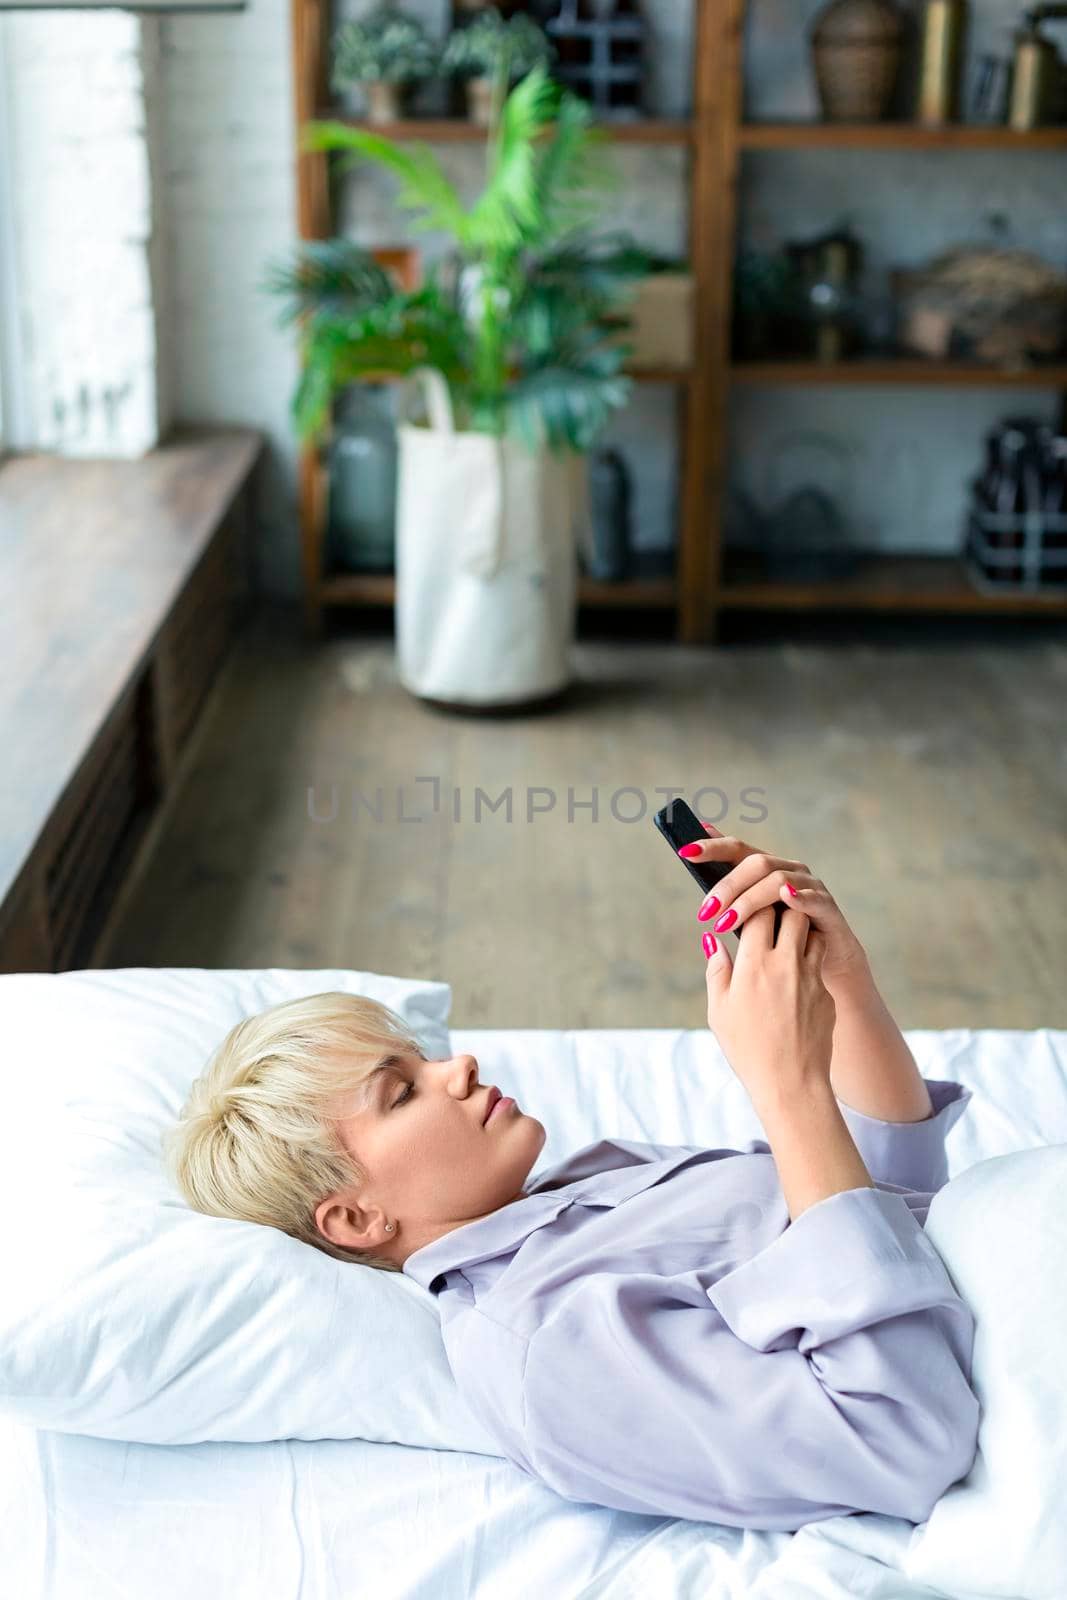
(924,780)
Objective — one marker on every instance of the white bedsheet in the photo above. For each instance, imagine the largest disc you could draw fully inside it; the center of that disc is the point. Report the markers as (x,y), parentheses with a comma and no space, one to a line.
(87,1519)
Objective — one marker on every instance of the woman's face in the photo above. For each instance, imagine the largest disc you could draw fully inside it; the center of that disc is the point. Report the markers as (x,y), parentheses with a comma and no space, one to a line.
(433,1161)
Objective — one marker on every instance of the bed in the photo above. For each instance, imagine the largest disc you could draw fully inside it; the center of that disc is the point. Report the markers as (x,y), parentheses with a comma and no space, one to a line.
(326,1519)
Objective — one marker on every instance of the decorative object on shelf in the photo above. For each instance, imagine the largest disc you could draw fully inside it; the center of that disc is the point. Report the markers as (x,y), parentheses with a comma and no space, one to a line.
(1016,525)
(828,274)
(988,98)
(602,45)
(653,563)
(490,53)
(610,497)
(800,533)
(806,540)
(661,334)
(382,55)
(362,474)
(515,380)
(769,314)
(856,51)
(944,24)
(743,531)
(1003,308)
(1037,74)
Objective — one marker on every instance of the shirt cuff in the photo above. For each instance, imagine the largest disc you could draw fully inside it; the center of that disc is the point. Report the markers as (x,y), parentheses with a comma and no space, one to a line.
(910,1155)
(855,1258)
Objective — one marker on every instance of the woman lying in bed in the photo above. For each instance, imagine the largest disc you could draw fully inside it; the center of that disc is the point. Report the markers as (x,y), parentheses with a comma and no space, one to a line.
(761,1337)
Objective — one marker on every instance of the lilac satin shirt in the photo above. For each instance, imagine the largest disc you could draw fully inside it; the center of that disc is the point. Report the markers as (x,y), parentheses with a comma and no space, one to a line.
(645,1328)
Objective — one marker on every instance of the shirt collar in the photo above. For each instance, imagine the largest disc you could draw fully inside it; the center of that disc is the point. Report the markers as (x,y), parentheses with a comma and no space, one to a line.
(481,1240)
(599,1174)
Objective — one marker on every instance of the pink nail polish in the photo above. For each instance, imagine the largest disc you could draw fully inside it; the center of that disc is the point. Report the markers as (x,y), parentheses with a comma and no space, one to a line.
(789,886)
(689,851)
(726,921)
(710,945)
(709,908)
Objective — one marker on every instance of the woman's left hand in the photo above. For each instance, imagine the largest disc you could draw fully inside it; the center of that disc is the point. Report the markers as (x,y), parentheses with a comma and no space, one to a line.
(758,879)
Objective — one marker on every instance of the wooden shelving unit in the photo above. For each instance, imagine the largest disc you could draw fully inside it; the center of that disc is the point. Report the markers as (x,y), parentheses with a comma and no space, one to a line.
(687,593)
(716,137)
(905,583)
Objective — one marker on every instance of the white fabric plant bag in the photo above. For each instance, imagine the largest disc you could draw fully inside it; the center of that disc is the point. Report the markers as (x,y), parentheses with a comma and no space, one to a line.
(486,560)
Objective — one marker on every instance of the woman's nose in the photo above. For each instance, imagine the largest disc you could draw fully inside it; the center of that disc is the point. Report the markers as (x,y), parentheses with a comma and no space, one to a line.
(466,1070)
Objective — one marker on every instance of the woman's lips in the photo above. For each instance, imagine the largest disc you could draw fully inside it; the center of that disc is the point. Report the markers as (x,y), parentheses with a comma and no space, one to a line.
(502,1104)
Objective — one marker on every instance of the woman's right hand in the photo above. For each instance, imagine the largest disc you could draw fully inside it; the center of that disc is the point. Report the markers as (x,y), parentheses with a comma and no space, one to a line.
(770,1009)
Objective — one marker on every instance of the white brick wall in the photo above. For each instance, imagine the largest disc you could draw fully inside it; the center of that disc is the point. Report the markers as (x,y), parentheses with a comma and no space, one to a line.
(83,225)
(228,183)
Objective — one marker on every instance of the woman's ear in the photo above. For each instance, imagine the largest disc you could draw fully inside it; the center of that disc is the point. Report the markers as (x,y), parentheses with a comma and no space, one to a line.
(340,1220)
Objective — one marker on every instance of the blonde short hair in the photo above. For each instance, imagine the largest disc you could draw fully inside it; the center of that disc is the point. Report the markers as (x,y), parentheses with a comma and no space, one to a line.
(257,1140)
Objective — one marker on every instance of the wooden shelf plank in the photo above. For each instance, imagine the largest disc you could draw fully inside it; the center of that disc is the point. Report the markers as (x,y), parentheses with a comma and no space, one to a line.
(629,592)
(457,130)
(943,374)
(379,589)
(886,582)
(358,589)
(659,374)
(893,136)
(638,374)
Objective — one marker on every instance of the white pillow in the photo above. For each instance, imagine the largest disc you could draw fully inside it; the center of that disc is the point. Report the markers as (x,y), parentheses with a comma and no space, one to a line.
(125,1314)
(1001,1229)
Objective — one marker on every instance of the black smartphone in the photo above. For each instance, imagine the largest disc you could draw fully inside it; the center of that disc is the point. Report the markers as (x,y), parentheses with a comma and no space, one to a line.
(679,824)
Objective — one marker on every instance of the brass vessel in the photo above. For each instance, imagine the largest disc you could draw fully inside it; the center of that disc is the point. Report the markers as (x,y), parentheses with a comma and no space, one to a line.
(941,58)
(1036,73)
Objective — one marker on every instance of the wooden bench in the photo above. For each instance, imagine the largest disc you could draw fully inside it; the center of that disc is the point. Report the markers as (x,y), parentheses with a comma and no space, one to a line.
(122,584)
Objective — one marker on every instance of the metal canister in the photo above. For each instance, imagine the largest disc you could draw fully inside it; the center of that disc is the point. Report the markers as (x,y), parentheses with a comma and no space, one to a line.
(944,22)
(1034,77)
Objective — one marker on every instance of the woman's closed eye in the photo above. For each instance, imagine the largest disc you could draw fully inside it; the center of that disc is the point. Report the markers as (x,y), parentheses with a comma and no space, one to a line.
(408,1092)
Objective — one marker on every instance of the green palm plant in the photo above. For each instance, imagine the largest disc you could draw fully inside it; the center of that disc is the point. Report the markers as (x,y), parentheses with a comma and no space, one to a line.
(536,350)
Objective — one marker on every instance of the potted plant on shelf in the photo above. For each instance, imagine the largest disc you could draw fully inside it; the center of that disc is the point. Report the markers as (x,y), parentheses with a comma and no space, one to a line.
(382,55)
(490,53)
(514,339)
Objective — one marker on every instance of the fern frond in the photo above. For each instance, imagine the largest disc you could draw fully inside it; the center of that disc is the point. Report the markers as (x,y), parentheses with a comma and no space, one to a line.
(563,408)
(573,171)
(424,186)
(326,277)
(508,212)
(405,332)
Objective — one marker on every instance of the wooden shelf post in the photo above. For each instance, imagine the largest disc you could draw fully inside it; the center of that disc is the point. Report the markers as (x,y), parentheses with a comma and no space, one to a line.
(711,225)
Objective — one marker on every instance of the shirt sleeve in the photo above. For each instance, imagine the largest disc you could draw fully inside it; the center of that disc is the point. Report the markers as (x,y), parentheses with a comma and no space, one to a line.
(910,1154)
(829,1374)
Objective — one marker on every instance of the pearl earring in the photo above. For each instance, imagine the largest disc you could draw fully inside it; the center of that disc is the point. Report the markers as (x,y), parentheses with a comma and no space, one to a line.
(388,1227)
